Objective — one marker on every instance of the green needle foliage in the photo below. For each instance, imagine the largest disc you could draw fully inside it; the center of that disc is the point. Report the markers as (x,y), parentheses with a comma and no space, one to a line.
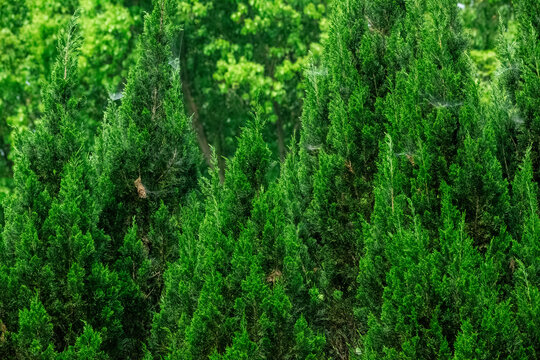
(146,163)
(81,274)
(402,222)
(34,339)
(526,251)
(443,257)
(343,122)
(146,153)
(200,274)
(521,78)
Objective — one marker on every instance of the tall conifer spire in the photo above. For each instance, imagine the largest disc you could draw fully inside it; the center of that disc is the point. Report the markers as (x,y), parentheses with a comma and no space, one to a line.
(343,124)
(48,247)
(146,163)
(146,153)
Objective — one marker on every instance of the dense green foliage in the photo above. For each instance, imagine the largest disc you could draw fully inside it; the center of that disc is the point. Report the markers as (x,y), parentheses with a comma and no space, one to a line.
(268,180)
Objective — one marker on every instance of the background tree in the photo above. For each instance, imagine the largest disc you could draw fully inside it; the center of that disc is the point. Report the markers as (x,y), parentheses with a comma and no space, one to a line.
(255,53)
(108,52)
(482,19)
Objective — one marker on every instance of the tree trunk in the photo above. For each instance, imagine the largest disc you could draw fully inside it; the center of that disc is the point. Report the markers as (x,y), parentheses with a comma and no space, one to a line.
(197,125)
(219,155)
(279,133)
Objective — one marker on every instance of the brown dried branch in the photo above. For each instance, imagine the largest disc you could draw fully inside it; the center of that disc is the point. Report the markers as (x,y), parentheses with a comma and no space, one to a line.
(274,276)
(141,190)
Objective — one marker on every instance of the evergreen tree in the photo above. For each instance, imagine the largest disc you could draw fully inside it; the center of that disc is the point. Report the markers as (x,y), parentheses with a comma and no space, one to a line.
(521,78)
(504,121)
(403,293)
(41,155)
(69,250)
(87,347)
(342,125)
(146,163)
(409,322)
(254,267)
(40,160)
(29,49)
(387,217)
(434,103)
(479,187)
(270,265)
(146,154)
(439,294)
(51,242)
(51,145)
(203,326)
(526,251)
(340,116)
(180,286)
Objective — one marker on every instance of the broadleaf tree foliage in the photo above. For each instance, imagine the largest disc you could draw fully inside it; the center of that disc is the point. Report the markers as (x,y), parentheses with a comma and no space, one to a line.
(270,180)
